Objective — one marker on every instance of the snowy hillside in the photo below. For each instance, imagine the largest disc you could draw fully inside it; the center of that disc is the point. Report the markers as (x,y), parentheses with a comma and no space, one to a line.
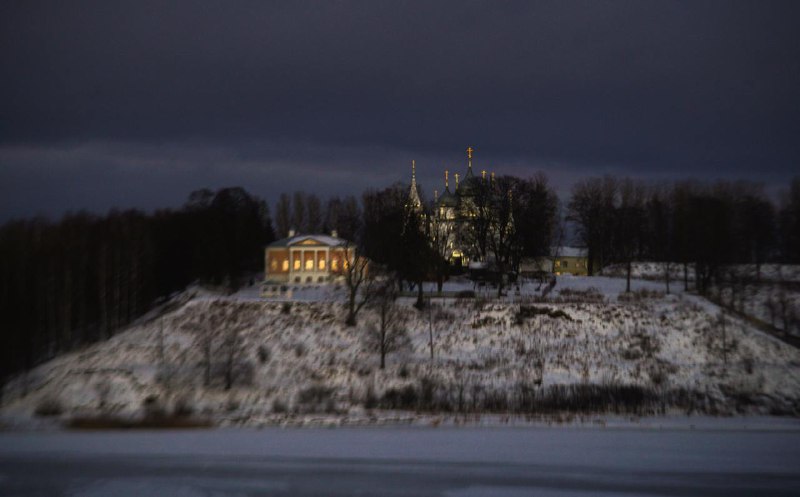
(588,349)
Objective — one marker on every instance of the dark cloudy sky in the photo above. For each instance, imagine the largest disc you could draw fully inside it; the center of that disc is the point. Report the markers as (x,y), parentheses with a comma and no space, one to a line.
(137,103)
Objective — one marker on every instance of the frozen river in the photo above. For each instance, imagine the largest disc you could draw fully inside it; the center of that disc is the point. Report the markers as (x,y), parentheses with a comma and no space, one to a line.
(501,462)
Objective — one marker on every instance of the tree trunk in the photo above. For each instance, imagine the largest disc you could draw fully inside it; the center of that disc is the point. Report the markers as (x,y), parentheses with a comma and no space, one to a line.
(351,309)
(420,300)
(102,293)
(685,276)
(628,277)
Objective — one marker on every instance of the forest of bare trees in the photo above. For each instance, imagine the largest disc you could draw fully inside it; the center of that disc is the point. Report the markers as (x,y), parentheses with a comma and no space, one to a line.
(700,227)
(72,282)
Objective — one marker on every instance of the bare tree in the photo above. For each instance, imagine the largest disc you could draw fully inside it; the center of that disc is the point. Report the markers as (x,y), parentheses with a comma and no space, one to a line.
(231,349)
(502,234)
(591,209)
(442,233)
(388,334)
(359,282)
(299,211)
(629,225)
(313,214)
(283,220)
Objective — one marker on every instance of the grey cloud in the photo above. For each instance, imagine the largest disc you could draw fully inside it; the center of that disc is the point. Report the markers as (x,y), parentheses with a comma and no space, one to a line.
(644,88)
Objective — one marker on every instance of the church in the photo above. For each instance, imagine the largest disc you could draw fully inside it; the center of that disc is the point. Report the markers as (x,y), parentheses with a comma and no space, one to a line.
(455,219)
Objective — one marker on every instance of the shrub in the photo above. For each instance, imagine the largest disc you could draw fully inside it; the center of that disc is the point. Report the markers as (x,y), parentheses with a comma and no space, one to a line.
(404,398)
(153,408)
(279,406)
(316,398)
(370,400)
(263,354)
(183,408)
(526,312)
(49,406)
(403,373)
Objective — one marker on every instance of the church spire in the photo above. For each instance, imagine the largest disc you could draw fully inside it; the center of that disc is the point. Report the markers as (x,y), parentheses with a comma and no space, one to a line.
(446,180)
(414,201)
(469,163)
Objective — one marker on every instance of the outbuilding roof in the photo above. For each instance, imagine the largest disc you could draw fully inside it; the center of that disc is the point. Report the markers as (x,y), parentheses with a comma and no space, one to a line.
(568,251)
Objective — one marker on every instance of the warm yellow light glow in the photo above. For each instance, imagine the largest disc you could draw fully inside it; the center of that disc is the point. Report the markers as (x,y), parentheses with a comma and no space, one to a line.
(285,265)
(322,264)
(310,265)
(273,265)
(296,265)
(335,264)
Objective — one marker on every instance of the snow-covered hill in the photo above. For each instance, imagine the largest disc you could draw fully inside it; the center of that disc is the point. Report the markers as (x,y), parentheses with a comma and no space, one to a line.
(588,349)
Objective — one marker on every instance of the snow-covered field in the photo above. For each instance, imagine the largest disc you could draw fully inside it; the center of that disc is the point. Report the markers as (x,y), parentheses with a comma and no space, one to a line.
(585,351)
(770,294)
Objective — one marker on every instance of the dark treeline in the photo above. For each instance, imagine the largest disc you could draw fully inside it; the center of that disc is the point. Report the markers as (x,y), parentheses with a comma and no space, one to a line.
(701,227)
(76,281)
(305,213)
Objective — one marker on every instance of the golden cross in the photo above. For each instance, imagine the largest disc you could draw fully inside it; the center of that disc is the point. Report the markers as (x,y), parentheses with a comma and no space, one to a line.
(469,152)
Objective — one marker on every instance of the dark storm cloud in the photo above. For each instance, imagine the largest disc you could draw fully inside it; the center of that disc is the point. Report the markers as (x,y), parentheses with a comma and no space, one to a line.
(253,91)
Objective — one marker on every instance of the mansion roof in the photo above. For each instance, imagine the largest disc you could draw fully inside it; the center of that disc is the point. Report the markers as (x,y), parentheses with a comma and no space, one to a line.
(310,240)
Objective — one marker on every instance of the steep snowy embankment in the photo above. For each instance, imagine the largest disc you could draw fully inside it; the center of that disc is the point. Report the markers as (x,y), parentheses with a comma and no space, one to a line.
(582,352)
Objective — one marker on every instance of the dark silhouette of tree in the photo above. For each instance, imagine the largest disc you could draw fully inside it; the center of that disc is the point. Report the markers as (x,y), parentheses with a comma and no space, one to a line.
(299,212)
(790,223)
(591,210)
(535,210)
(313,214)
(72,282)
(660,230)
(387,334)
(344,217)
(629,226)
(283,218)
(359,279)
